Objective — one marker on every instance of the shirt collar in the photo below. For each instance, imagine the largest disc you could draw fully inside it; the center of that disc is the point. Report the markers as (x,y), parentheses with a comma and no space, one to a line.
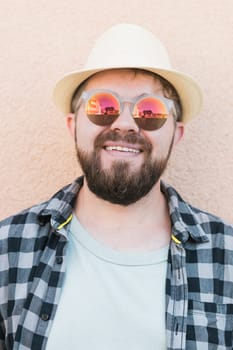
(60,207)
(186,220)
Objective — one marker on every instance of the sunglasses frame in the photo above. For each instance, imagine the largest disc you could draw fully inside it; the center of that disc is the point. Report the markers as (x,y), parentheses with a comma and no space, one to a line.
(141,122)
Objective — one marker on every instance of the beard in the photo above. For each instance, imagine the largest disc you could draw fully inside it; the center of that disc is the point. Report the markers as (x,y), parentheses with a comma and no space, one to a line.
(119,184)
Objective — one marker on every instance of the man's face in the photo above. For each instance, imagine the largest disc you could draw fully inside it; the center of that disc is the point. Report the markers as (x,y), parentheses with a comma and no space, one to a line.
(121,162)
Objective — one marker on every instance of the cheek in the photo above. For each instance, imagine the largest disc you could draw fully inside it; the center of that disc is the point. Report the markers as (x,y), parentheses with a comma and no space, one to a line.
(161,141)
(86,132)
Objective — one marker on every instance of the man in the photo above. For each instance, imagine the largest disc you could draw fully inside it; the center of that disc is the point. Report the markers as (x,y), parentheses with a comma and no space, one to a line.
(117,260)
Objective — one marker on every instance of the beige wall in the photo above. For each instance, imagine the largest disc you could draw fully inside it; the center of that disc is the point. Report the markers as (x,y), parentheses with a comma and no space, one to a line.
(41,40)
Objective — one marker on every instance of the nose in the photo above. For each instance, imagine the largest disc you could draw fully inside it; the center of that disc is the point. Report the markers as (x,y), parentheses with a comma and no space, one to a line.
(125,121)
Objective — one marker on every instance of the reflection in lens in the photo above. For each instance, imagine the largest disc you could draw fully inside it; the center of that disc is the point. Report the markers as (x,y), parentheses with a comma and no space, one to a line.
(150,123)
(150,108)
(102,104)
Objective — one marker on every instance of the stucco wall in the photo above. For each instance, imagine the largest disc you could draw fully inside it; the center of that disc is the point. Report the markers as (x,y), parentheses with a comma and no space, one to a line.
(41,40)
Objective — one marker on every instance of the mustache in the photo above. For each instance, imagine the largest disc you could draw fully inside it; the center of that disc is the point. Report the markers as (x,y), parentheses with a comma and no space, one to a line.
(131,138)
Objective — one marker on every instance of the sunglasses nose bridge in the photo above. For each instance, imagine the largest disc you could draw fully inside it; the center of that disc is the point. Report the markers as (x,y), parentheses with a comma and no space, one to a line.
(127,103)
(125,120)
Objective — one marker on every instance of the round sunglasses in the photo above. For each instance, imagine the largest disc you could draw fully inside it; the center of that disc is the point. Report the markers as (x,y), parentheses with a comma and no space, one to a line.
(149,112)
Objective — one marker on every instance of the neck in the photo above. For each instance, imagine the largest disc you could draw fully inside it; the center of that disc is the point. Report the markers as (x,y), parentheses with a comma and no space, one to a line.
(144,225)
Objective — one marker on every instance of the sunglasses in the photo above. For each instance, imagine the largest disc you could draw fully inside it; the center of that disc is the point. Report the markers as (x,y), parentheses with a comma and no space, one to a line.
(149,112)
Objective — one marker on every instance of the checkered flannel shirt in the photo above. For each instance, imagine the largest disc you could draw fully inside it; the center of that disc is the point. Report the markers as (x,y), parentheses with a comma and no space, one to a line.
(199,285)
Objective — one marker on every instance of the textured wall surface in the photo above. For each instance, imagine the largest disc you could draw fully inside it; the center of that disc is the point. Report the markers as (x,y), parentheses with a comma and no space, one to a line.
(42,40)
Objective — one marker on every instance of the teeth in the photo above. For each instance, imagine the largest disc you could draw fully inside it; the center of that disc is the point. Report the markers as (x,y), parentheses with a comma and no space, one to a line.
(121,149)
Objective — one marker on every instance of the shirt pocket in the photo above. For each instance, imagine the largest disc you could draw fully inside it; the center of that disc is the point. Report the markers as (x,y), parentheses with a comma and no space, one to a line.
(209,326)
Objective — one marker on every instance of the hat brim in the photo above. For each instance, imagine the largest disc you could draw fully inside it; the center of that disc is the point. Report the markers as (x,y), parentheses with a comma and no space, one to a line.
(187,89)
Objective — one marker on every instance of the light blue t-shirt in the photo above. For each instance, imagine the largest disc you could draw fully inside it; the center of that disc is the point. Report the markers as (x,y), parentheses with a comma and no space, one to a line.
(111,300)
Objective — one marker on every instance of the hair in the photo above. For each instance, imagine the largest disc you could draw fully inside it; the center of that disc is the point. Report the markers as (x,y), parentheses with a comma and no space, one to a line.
(168,90)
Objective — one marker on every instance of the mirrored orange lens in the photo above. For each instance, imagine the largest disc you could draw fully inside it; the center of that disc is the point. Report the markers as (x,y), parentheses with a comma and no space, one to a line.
(103,104)
(150,107)
(102,108)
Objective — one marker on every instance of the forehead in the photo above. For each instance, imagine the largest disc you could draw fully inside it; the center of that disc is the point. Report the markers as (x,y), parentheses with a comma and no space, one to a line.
(123,79)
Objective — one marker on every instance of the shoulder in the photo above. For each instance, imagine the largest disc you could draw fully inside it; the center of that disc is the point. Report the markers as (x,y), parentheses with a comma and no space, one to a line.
(28,222)
(195,222)
(211,223)
(18,223)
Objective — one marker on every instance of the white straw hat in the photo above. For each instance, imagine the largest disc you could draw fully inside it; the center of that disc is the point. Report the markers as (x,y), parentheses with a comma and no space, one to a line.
(130,46)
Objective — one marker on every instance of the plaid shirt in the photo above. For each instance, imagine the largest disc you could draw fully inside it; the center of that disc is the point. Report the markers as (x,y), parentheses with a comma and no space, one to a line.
(199,286)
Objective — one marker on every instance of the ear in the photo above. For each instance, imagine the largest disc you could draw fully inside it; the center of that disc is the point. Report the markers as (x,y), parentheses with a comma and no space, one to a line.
(179,133)
(70,123)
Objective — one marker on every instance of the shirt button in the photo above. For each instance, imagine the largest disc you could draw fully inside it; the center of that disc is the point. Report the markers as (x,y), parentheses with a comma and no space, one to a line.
(45,317)
(59,260)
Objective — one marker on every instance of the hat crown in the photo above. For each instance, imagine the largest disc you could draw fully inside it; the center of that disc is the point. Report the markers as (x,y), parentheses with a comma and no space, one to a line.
(128,45)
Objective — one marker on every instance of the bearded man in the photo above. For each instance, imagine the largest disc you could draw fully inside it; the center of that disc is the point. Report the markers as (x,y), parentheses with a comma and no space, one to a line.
(117,259)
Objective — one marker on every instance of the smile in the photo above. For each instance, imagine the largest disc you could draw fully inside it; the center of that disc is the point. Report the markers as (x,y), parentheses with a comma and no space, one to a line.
(122,149)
